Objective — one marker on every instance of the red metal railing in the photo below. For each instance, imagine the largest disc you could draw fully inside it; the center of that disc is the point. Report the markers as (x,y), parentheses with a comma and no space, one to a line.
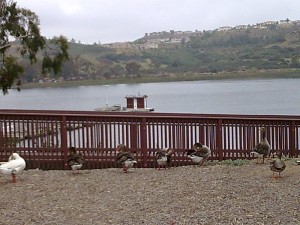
(43,137)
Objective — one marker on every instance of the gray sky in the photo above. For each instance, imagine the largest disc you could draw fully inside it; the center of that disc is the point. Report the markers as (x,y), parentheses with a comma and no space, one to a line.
(108,21)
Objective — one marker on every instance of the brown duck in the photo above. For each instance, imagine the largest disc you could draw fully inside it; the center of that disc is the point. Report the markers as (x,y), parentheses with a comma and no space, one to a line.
(163,157)
(75,160)
(124,158)
(277,165)
(199,154)
(262,149)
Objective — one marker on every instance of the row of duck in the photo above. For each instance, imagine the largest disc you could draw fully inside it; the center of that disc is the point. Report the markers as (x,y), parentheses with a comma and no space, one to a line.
(199,154)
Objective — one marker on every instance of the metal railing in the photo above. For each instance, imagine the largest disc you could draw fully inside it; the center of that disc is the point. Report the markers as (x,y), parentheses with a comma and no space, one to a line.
(43,137)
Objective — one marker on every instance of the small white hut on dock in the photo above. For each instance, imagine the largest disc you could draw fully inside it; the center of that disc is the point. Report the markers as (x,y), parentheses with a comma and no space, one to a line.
(134,103)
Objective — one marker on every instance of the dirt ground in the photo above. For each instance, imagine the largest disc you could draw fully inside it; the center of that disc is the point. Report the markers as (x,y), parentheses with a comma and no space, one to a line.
(215,194)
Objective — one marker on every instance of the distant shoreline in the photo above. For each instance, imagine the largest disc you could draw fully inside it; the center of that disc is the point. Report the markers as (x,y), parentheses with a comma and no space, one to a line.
(242,75)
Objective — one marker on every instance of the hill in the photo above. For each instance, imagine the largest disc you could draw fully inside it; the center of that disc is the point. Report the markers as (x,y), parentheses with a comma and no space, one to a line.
(266,46)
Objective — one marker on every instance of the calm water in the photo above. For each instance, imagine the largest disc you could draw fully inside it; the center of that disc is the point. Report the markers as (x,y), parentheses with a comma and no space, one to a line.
(276,96)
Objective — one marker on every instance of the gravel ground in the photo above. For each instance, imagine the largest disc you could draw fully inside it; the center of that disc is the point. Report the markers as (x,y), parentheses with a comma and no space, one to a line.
(215,194)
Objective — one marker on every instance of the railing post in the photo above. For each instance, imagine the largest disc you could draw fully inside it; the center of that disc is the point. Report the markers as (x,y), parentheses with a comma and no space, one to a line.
(133,136)
(292,152)
(219,139)
(144,142)
(1,134)
(64,145)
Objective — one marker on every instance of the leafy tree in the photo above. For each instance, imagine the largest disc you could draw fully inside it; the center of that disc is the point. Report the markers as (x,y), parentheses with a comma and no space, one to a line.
(295,61)
(133,68)
(20,28)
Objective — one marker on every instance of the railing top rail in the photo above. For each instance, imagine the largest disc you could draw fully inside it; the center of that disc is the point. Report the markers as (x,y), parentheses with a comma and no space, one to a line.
(145,114)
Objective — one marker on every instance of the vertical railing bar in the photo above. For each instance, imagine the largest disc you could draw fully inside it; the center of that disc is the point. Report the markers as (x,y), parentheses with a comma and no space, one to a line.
(64,144)
(117,133)
(225,137)
(144,142)
(158,132)
(293,139)
(219,139)
(162,135)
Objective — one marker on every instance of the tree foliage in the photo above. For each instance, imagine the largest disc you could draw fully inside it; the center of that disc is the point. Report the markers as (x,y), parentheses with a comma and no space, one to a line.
(133,68)
(21,27)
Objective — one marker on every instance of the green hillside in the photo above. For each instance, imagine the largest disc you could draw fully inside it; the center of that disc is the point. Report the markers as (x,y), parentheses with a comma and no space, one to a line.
(271,47)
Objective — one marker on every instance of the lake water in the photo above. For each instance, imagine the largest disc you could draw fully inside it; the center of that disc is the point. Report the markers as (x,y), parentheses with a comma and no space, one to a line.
(250,97)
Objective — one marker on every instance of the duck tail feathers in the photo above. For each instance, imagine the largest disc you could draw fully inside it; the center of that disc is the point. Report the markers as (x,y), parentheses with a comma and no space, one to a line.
(253,153)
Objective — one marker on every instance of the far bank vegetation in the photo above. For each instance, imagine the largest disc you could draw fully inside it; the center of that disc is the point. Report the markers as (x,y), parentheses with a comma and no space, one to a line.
(243,50)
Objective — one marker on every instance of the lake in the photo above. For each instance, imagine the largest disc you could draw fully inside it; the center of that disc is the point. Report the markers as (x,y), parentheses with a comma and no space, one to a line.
(249,97)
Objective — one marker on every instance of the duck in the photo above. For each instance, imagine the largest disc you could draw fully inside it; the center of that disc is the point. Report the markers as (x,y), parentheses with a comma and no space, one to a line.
(15,165)
(277,165)
(262,149)
(124,158)
(163,157)
(75,160)
(199,154)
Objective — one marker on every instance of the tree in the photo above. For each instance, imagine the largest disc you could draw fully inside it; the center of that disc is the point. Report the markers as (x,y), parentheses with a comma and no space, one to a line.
(295,61)
(20,28)
(133,68)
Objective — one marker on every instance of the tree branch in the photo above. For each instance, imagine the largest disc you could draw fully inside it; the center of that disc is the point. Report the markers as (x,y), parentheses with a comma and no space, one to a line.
(10,43)
(5,46)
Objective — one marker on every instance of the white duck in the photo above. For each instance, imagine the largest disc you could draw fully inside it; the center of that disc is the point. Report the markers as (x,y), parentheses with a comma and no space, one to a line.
(199,154)
(163,157)
(15,165)
(124,158)
(262,149)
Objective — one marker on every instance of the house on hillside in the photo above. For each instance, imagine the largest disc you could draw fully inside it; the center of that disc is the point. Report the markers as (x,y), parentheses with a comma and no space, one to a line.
(241,27)
(264,25)
(282,22)
(225,28)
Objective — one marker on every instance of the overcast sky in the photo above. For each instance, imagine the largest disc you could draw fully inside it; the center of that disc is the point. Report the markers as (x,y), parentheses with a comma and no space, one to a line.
(108,21)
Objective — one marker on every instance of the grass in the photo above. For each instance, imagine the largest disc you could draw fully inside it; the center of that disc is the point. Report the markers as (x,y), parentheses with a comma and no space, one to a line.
(236,162)
(250,74)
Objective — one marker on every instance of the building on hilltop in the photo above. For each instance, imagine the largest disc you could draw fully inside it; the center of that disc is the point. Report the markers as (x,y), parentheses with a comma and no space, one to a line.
(225,28)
